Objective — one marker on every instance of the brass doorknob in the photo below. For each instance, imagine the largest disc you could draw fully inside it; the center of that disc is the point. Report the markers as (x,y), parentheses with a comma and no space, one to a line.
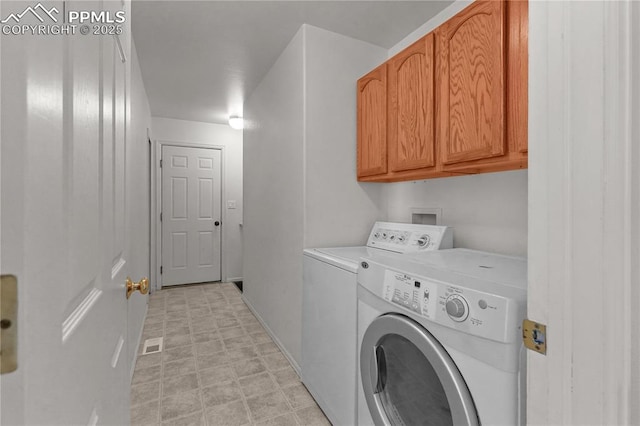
(142,286)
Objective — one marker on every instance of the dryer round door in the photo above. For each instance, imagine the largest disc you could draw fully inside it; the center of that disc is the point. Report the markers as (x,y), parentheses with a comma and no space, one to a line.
(409,378)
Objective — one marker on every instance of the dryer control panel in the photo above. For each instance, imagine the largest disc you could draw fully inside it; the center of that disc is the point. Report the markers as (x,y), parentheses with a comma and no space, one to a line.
(409,238)
(469,310)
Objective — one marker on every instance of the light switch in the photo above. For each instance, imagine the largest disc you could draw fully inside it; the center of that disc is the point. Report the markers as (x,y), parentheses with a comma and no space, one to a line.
(231,204)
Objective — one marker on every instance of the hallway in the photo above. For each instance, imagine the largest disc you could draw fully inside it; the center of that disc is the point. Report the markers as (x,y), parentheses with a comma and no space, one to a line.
(218,365)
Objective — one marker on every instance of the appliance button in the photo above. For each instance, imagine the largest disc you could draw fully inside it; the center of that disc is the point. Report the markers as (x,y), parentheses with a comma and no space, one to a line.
(482,303)
(364,265)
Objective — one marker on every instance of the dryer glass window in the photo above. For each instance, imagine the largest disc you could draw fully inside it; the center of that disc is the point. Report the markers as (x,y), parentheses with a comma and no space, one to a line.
(408,386)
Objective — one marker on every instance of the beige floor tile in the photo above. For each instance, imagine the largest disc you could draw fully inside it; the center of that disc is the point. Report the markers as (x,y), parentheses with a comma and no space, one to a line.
(199,312)
(233,414)
(180,404)
(177,331)
(196,419)
(211,376)
(227,322)
(175,354)
(253,328)
(221,393)
(176,323)
(145,392)
(249,367)
(286,420)
(275,361)
(212,360)
(267,348)
(183,313)
(226,333)
(260,337)
(298,396)
(243,353)
(154,319)
(312,416)
(179,367)
(198,325)
(209,347)
(205,336)
(145,414)
(237,342)
(257,384)
(286,377)
(148,374)
(157,326)
(266,406)
(177,384)
(177,340)
(175,307)
(145,361)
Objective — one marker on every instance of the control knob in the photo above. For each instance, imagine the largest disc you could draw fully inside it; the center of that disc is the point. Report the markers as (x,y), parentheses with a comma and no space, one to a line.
(457,308)
(424,240)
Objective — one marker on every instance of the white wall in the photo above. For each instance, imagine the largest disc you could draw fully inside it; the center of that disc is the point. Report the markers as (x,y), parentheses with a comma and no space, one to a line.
(338,209)
(171,130)
(273,191)
(488,211)
(300,180)
(139,194)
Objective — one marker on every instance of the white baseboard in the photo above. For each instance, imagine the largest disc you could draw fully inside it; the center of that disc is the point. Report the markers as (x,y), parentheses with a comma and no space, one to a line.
(138,341)
(275,339)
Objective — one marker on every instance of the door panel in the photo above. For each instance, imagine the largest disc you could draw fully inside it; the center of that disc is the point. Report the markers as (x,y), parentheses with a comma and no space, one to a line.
(471,81)
(191,197)
(63,168)
(372,123)
(411,110)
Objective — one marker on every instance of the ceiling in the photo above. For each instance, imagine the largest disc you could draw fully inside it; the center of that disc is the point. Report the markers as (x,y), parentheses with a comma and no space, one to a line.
(201,59)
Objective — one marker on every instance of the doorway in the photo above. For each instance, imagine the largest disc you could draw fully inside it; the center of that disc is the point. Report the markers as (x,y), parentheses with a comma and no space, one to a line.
(191,215)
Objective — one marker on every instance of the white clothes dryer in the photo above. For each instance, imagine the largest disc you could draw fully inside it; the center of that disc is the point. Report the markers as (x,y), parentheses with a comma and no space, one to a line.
(329,311)
(439,338)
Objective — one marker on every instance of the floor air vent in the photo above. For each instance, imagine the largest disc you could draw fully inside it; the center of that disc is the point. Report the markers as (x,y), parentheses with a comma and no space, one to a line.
(152,346)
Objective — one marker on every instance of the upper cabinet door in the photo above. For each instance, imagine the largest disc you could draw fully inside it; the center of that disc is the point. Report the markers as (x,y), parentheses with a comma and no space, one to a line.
(372,123)
(411,107)
(471,80)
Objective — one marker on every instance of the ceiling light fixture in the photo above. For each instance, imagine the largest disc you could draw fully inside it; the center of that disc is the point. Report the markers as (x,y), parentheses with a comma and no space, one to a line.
(236,122)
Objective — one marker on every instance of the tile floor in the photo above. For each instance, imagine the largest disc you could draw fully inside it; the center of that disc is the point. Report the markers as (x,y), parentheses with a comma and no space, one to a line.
(218,367)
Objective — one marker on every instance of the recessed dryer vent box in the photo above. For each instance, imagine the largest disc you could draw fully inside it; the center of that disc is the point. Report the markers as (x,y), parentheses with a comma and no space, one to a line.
(426,215)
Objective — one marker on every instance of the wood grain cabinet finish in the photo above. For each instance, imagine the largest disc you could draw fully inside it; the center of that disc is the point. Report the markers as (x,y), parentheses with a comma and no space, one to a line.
(411,107)
(372,123)
(455,103)
(471,78)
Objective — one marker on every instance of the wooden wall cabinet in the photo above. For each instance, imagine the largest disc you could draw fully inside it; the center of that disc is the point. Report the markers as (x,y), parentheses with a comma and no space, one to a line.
(372,123)
(456,99)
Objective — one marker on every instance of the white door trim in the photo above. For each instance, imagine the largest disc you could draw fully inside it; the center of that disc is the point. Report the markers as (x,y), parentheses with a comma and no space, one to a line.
(584,211)
(156,207)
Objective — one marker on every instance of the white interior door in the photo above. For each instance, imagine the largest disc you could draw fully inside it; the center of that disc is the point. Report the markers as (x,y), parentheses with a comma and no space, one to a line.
(63,225)
(191,215)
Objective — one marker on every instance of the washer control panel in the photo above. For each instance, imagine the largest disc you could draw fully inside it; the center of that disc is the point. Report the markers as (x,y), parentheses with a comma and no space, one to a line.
(407,237)
(410,293)
(474,312)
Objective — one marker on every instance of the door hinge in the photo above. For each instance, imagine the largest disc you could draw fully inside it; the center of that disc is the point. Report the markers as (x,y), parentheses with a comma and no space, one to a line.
(161,270)
(8,323)
(160,163)
(534,336)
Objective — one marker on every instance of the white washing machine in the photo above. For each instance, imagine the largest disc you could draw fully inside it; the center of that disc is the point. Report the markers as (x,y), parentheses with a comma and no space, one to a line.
(439,338)
(329,311)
